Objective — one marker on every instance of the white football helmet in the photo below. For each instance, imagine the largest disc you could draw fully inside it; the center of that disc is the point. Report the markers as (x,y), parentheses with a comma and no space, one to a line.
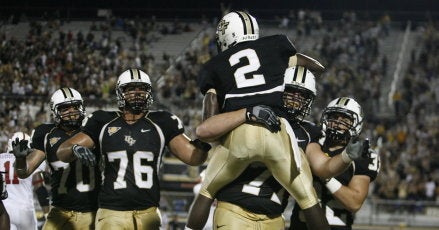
(20,136)
(236,27)
(127,98)
(348,107)
(62,99)
(300,92)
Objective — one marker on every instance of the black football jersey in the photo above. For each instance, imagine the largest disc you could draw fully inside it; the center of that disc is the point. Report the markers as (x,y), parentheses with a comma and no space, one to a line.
(132,155)
(74,185)
(249,73)
(256,189)
(358,167)
(39,134)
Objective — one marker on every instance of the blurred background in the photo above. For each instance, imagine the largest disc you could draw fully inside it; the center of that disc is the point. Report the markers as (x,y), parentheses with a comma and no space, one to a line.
(385,54)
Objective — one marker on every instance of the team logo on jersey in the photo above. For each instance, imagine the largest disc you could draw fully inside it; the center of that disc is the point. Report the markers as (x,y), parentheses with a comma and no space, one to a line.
(53,141)
(222,26)
(130,140)
(113,130)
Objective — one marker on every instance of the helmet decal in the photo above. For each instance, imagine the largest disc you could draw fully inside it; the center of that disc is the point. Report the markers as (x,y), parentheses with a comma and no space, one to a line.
(236,27)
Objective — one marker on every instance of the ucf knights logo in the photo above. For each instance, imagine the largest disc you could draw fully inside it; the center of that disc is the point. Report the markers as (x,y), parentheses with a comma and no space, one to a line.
(130,140)
(222,26)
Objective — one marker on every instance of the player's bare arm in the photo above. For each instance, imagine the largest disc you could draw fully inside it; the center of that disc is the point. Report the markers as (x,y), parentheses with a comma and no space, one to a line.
(302,60)
(216,126)
(322,165)
(353,196)
(181,147)
(65,151)
(210,104)
(24,167)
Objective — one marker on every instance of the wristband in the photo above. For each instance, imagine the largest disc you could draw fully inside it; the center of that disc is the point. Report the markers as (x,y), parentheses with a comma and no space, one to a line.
(201,145)
(333,185)
(345,157)
(20,170)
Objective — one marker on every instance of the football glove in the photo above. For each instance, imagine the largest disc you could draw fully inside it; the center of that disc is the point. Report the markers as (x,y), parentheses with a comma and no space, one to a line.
(20,148)
(263,115)
(357,148)
(201,145)
(84,154)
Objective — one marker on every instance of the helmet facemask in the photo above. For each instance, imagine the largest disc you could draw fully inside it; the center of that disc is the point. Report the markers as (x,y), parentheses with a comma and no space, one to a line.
(297,102)
(339,126)
(67,108)
(69,114)
(135,97)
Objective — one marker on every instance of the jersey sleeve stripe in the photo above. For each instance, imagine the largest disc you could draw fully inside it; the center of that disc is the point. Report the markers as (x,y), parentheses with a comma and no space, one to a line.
(162,143)
(280,88)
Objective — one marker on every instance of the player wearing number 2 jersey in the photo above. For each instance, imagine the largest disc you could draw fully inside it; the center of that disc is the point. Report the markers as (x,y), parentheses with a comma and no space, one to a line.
(249,71)
(131,143)
(255,199)
(74,186)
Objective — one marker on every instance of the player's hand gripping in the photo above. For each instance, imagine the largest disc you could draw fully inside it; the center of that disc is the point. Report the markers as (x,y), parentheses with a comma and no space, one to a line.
(356,148)
(263,115)
(20,148)
(84,154)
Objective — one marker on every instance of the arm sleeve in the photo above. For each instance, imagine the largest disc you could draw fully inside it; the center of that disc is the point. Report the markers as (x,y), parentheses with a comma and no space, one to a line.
(287,48)
(362,168)
(94,123)
(170,124)
(205,79)
(38,136)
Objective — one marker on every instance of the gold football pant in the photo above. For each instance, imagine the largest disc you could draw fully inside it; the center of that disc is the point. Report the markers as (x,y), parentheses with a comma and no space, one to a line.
(229,217)
(136,219)
(251,143)
(64,219)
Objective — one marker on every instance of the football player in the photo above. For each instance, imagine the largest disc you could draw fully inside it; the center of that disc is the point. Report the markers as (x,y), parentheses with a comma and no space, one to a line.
(4,216)
(343,195)
(131,142)
(74,186)
(20,202)
(248,72)
(255,198)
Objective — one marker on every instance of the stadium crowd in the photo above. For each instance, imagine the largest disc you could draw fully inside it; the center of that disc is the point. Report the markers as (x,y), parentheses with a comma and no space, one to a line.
(407,140)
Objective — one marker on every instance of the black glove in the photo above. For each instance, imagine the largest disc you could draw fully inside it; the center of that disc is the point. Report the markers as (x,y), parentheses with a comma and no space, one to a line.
(357,148)
(20,148)
(263,115)
(201,145)
(84,154)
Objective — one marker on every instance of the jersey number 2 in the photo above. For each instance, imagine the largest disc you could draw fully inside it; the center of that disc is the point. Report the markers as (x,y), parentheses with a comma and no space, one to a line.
(253,65)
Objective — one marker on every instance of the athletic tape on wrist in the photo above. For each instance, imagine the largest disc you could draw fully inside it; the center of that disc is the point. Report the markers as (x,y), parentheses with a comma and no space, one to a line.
(333,185)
